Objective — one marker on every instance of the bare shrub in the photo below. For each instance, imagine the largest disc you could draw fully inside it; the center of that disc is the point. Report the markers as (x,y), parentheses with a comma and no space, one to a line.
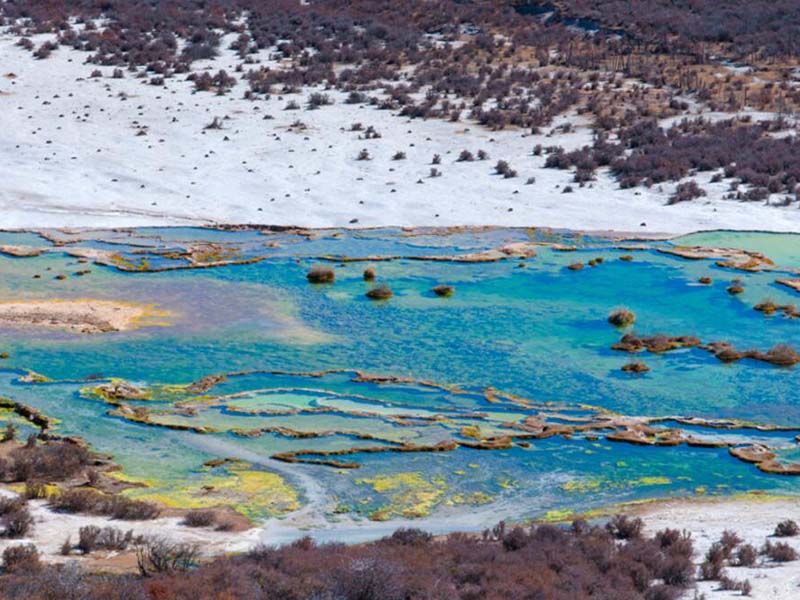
(623,527)
(21,557)
(410,537)
(729,541)
(159,555)
(91,538)
(93,502)
(502,167)
(686,191)
(54,461)
(199,518)
(745,556)
(17,523)
(318,99)
(465,156)
(779,552)
(787,528)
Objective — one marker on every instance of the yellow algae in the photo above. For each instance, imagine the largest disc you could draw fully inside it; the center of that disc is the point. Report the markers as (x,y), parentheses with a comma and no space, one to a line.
(255,494)
(578,485)
(700,490)
(410,494)
(471,431)
(115,390)
(645,481)
(555,516)
(50,488)
(459,472)
(380,515)
(589,485)
(473,498)
(622,463)
(507,483)
(474,466)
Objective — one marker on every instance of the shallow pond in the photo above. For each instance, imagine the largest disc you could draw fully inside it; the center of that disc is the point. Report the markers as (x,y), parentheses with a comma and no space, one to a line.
(321,374)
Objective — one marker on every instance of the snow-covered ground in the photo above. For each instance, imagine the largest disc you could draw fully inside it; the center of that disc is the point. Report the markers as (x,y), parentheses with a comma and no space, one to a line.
(51,529)
(71,156)
(754,520)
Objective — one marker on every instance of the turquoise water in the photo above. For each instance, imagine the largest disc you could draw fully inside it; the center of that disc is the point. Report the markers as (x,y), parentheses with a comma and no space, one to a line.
(538,332)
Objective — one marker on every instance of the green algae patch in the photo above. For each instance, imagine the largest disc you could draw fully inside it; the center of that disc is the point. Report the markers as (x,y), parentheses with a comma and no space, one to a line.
(34,377)
(472,498)
(255,494)
(114,391)
(582,486)
(557,516)
(645,481)
(410,494)
(586,486)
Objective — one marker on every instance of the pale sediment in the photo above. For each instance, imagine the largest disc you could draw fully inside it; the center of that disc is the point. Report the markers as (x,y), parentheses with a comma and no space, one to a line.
(76,316)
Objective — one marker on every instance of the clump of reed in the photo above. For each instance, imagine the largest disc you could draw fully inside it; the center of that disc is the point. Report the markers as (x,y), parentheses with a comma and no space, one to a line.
(321,275)
(622,317)
(444,291)
(381,292)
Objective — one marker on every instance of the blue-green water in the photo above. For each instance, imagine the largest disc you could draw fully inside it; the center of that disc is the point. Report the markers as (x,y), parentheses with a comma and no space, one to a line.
(539,333)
